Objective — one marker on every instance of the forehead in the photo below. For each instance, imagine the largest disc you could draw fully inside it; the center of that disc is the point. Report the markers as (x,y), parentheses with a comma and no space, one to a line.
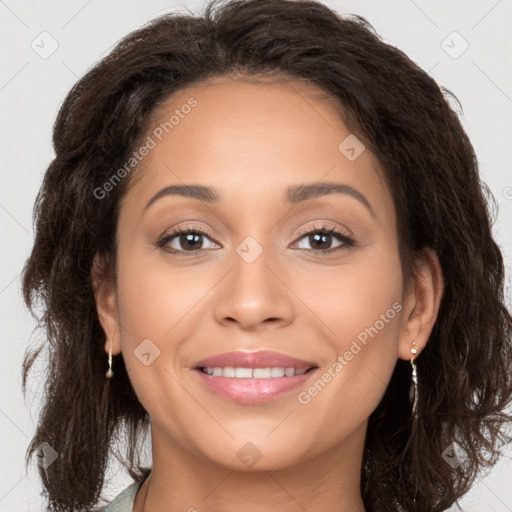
(254,137)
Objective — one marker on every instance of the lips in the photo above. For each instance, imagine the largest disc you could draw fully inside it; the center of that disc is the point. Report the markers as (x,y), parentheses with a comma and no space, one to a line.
(261,359)
(229,375)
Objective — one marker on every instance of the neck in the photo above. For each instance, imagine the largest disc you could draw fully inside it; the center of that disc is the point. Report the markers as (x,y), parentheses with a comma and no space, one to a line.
(326,481)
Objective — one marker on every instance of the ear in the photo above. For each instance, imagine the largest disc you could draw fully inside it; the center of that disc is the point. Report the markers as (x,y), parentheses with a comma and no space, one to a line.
(106,302)
(421,303)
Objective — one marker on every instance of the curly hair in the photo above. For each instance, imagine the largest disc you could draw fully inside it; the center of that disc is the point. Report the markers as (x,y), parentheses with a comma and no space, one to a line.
(403,116)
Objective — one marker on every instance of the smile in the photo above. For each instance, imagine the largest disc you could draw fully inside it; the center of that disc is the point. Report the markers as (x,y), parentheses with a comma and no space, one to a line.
(252,373)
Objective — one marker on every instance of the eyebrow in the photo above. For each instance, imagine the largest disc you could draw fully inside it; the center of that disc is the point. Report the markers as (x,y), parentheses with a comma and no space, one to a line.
(300,193)
(295,194)
(206,194)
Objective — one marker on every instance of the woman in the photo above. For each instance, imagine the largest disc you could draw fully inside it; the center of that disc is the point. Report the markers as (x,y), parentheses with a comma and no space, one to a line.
(264,236)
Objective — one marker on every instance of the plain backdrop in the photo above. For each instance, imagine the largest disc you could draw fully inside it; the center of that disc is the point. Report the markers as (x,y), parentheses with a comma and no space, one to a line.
(464,45)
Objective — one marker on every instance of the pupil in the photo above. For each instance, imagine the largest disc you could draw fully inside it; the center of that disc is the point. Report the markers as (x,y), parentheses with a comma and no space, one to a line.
(189,238)
(320,238)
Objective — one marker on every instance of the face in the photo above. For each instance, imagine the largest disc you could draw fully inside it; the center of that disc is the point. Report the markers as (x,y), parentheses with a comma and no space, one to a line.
(261,262)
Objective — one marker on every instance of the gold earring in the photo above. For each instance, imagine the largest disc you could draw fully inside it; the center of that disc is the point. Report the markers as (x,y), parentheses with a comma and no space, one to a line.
(413,391)
(110,372)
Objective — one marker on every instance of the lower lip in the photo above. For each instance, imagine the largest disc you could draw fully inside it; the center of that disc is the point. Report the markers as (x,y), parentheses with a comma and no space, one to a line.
(253,391)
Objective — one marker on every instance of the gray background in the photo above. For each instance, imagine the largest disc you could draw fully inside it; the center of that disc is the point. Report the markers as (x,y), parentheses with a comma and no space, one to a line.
(34,83)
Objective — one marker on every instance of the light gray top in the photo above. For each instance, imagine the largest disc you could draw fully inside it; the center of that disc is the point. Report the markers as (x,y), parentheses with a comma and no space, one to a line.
(123,502)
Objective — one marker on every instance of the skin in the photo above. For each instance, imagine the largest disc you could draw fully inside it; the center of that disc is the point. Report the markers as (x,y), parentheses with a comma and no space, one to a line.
(251,142)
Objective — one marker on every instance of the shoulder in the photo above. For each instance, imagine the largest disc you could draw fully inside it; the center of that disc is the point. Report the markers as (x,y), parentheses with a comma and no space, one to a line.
(123,502)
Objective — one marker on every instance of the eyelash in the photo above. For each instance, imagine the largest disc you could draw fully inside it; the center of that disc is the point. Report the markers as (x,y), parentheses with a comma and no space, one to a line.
(341,235)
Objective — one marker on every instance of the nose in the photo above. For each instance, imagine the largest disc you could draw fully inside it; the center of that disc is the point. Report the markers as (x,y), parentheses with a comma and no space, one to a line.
(254,295)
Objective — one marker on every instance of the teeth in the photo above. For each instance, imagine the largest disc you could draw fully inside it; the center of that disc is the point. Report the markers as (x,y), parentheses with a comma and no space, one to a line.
(252,373)
(243,373)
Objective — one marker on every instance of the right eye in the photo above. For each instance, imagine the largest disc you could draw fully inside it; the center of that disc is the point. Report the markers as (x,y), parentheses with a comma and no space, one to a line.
(190,240)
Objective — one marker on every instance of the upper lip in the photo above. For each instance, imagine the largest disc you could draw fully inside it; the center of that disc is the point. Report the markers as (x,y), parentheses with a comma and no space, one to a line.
(261,359)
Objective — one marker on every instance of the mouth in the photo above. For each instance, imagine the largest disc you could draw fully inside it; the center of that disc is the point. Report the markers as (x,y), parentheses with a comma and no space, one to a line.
(274,372)
(261,360)
(253,377)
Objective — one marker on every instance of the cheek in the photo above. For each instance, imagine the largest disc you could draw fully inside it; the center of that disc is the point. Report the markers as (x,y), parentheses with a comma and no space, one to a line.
(159,308)
(155,297)
(153,304)
(359,307)
(357,296)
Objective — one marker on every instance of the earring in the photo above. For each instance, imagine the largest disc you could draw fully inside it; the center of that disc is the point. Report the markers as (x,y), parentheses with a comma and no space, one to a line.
(110,372)
(413,391)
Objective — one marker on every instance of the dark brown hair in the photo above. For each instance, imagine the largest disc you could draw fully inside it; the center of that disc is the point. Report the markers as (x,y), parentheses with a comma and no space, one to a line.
(403,117)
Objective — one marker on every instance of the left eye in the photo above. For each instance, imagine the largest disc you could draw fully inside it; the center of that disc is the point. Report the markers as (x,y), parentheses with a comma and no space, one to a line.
(322,239)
